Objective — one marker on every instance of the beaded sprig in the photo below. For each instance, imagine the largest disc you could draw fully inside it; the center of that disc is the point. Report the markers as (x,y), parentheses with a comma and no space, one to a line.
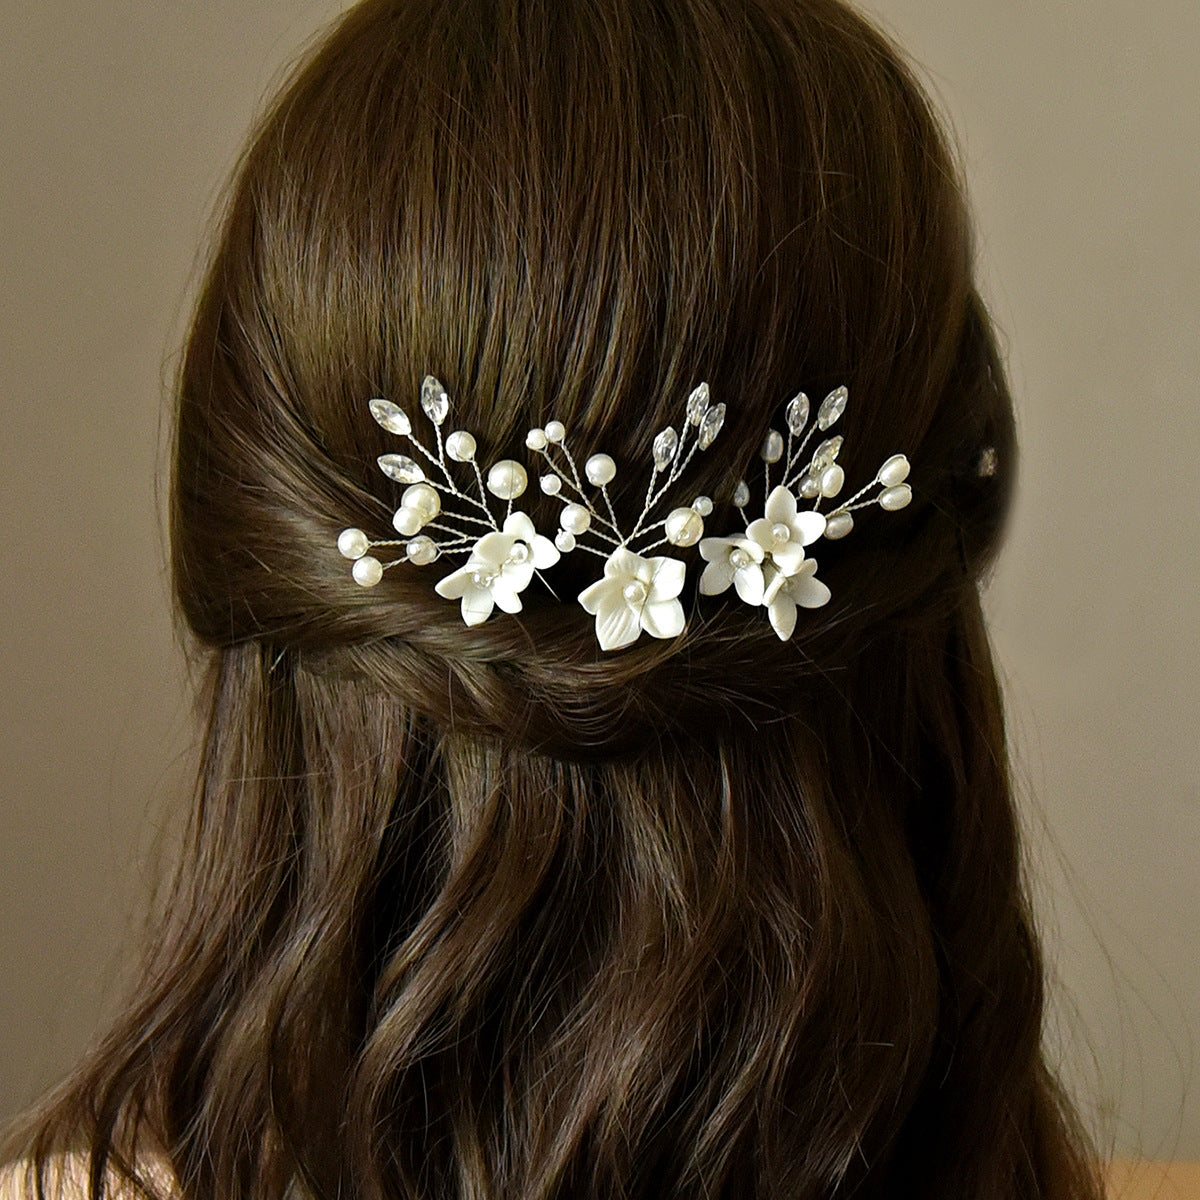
(638,591)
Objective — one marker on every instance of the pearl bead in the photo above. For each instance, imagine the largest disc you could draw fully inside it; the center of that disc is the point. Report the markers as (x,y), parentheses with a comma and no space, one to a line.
(600,469)
(684,527)
(635,592)
(407,521)
(424,499)
(894,471)
(832,479)
(507,479)
(564,539)
(550,484)
(838,525)
(367,571)
(519,553)
(780,532)
(353,543)
(460,445)
(421,550)
(895,497)
(555,431)
(536,439)
(738,558)
(575,518)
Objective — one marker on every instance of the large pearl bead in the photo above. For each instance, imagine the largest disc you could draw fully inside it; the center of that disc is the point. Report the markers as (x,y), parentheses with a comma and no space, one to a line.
(599,469)
(367,571)
(423,498)
(684,527)
(507,479)
(353,543)
(575,519)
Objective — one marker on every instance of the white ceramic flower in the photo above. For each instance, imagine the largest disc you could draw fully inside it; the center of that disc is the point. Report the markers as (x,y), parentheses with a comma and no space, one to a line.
(783,532)
(500,566)
(736,560)
(635,593)
(784,593)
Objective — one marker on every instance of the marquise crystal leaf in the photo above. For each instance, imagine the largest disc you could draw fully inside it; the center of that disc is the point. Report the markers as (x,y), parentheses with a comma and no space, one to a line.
(401,468)
(434,401)
(391,416)
(796,414)
(665,446)
(832,407)
(697,404)
(710,425)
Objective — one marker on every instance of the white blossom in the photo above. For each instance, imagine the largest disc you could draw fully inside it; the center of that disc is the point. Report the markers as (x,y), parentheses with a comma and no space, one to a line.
(635,593)
(783,593)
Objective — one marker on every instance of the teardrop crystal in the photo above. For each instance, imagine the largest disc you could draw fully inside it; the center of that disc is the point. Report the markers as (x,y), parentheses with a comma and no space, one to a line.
(665,446)
(401,468)
(434,401)
(825,454)
(809,488)
(697,404)
(710,425)
(391,416)
(796,413)
(741,494)
(772,447)
(832,407)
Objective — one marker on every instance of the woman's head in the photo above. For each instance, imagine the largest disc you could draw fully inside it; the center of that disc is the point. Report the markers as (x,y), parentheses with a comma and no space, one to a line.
(485,910)
(580,211)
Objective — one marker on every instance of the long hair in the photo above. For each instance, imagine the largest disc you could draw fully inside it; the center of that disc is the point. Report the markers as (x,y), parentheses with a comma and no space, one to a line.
(484,912)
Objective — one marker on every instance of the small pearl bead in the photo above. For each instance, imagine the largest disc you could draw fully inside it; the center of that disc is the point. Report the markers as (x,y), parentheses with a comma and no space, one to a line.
(894,471)
(550,484)
(407,521)
(421,550)
(483,578)
(353,543)
(838,525)
(507,479)
(575,518)
(536,439)
(519,553)
(832,479)
(600,469)
(635,592)
(367,572)
(895,497)
(460,445)
(555,431)
(564,539)
(738,558)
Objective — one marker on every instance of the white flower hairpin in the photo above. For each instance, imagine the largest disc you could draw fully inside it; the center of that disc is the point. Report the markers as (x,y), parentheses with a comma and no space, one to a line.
(766,564)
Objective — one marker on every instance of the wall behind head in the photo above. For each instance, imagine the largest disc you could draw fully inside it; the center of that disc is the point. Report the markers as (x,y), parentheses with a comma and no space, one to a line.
(1082,145)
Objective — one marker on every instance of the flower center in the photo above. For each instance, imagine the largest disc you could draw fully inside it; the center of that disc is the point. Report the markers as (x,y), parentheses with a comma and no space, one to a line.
(483,577)
(738,558)
(519,553)
(635,592)
(780,532)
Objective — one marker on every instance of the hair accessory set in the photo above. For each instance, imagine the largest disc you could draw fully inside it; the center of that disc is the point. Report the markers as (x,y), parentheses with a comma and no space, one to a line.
(639,591)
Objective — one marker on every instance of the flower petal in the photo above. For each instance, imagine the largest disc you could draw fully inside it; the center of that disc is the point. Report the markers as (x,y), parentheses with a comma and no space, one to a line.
(668,577)
(663,618)
(519,525)
(493,548)
(603,592)
(761,532)
(477,605)
(516,576)
(780,505)
(505,595)
(749,583)
(624,563)
(716,549)
(809,592)
(456,583)
(617,625)
(788,556)
(809,526)
(774,581)
(717,576)
(545,552)
(782,612)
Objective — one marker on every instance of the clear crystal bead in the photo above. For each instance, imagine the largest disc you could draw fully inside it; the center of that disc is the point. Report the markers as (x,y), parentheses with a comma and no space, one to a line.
(422,550)
(391,416)
(703,505)
(772,447)
(810,488)
(825,454)
(796,413)
(665,446)
(741,494)
(710,425)
(697,404)
(832,407)
(460,445)
(434,401)
(401,468)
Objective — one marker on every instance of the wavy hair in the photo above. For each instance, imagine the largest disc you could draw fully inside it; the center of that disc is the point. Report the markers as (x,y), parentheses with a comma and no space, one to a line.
(486,913)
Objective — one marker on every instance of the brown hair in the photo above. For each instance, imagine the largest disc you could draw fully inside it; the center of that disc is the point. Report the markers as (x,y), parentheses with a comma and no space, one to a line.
(487,912)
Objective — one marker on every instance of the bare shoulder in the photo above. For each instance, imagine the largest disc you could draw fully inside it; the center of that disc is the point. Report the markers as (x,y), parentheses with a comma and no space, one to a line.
(1129,1179)
(66,1179)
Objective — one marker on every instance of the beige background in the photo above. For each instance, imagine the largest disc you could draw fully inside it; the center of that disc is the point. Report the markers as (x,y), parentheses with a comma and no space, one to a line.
(1081,129)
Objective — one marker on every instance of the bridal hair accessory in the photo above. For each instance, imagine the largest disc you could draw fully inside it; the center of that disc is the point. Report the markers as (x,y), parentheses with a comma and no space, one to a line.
(765,563)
